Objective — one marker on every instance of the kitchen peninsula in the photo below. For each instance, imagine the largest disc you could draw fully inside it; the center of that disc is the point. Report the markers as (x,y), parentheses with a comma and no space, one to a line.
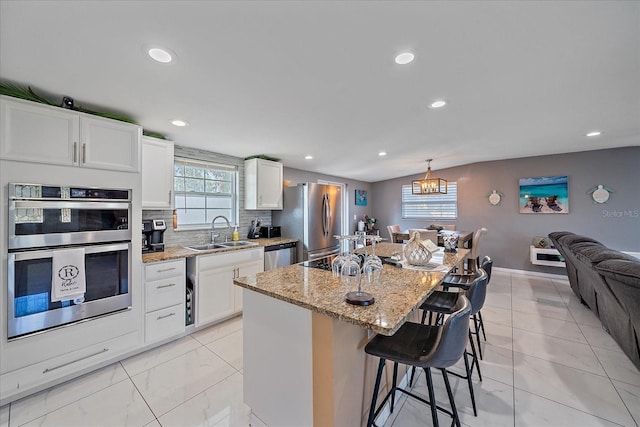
(304,359)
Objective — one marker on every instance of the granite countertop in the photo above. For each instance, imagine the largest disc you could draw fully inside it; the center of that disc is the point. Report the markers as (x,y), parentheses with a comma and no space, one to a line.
(399,292)
(176,252)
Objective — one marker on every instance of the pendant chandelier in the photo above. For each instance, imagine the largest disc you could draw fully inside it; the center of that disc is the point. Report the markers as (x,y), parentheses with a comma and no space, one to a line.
(429,185)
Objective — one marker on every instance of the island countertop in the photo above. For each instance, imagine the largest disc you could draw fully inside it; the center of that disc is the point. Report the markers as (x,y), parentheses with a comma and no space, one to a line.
(400,290)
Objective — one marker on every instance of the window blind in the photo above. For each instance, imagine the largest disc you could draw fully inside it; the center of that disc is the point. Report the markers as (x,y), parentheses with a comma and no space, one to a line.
(434,206)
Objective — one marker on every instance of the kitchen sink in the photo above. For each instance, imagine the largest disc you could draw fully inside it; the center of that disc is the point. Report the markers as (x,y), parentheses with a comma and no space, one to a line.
(206,247)
(210,246)
(236,244)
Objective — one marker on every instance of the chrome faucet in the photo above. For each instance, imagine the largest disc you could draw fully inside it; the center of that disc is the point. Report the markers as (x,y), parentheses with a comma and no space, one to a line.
(213,235)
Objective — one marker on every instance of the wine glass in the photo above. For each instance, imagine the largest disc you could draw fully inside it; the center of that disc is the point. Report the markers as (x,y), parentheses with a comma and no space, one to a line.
(338,262)
(372,269)
(350,273)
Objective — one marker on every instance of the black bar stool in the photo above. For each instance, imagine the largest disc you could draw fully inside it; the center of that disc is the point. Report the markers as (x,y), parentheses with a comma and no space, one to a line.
(422,346)
(463,280)
(442,303)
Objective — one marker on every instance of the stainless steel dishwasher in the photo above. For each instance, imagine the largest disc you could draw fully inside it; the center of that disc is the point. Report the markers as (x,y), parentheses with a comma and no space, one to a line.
(280,255)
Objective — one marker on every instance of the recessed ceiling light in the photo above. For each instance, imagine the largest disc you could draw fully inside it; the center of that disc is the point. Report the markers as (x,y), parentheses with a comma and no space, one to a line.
(179,123)
(382,153)
(308,157)
(594,133)
(438,104)
(161,55)
(404,58)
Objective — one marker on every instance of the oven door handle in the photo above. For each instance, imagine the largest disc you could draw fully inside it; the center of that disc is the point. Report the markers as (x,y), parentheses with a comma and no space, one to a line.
(68,204)
(48,253)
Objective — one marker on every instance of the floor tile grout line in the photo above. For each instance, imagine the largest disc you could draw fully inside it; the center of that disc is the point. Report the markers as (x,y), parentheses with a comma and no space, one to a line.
(70,403)
(141,395)
(570,407)
(192,397)
(621,399)
(159,364)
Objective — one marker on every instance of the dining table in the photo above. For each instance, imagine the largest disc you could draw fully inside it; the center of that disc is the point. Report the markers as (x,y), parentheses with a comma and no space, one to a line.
(465,238)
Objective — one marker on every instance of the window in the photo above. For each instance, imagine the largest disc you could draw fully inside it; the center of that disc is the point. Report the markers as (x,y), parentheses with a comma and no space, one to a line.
(434,206)
(204,190)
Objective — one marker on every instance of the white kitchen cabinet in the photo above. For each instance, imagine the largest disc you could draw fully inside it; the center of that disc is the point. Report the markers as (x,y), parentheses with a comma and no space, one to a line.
(39,133)
(216,297)
(157,173)
(262,184)
(164,300)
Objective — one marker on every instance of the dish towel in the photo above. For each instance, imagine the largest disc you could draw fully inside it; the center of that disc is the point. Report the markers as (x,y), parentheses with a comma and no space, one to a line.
(67,275)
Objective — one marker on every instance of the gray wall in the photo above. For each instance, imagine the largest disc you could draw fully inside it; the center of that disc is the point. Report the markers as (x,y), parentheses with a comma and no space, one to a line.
(615,224)
(296,176)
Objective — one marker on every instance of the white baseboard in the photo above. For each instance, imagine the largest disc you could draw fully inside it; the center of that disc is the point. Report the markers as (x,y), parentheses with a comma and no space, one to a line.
(531,273)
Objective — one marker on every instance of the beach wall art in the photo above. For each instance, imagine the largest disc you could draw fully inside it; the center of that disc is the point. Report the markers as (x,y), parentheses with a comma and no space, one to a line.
(361,197)
(544,195)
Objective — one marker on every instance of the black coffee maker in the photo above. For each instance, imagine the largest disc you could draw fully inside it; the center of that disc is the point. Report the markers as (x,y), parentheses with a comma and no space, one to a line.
(153,235)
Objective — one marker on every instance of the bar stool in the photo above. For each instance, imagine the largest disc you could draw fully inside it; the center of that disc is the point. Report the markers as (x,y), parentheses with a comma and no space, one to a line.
(442,302)
(426,347)
(463,280)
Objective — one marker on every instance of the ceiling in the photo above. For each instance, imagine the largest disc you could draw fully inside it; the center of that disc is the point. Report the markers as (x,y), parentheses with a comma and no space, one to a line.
(294,78)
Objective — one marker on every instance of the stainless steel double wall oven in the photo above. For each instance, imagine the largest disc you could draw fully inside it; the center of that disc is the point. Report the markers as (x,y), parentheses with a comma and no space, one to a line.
(44,219)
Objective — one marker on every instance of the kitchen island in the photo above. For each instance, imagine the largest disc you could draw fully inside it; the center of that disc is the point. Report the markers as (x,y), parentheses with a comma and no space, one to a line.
(304,359)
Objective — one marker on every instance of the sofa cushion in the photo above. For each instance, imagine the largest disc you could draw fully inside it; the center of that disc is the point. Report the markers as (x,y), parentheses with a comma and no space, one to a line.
(621,270)
(570,239)
(555,235)
(596,253)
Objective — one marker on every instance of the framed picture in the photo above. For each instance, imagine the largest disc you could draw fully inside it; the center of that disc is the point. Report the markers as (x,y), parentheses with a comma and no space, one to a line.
(544,195)
(361,197)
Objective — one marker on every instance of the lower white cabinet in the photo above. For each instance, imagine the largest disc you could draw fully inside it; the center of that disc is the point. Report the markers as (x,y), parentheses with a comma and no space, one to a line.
(66,366)
(216,297)
(164,296)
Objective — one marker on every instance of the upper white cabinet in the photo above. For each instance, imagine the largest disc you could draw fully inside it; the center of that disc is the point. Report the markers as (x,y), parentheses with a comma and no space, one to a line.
(33,132)
(157,173)
(262,184)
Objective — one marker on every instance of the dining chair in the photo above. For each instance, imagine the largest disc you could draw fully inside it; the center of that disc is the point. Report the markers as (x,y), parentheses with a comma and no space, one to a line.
(425,234)
(392,229)
(473,262)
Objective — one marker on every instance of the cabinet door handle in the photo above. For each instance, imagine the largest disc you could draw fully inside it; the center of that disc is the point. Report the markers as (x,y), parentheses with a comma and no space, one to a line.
(75,152)
(163,270)
(165,316)
(84,153)
(74,361)
(165,286)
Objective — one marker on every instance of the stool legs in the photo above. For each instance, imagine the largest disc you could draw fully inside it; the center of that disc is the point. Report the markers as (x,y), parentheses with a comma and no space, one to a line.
(393,387)
(484,335)
(432,397)
(475,356)
(376,388)
(452,402)
(476,323)
(433,404)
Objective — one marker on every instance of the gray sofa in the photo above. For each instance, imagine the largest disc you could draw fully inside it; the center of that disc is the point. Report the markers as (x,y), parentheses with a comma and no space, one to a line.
(608,282)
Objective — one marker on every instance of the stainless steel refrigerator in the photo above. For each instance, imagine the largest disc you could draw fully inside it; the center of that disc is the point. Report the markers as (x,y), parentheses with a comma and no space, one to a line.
(312,213)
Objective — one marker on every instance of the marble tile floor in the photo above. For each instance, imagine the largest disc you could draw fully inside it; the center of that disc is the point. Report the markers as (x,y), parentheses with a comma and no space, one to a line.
(547,362)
